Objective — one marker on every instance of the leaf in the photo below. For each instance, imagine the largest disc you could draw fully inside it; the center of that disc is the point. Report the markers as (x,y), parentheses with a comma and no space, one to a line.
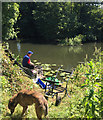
(87,107)
(84,85)
(38,63)
(97,83)
(63,74)
(47,65)
(47,69)
(54,65)
(34,61)
(84,100)
(93,108)
(90,94)
(53,72)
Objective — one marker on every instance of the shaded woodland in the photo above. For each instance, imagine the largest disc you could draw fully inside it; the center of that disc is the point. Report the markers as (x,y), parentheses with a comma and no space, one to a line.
(53,22)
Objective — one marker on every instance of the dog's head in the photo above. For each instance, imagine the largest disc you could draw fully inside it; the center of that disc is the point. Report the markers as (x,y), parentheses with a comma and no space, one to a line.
(11,105)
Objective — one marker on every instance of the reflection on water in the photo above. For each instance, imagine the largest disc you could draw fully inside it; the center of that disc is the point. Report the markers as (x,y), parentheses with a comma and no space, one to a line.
(75,49)
(18,47)
(60,55)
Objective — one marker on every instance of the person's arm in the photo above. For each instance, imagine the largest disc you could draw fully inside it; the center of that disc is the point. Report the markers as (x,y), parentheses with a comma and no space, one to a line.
(29,62)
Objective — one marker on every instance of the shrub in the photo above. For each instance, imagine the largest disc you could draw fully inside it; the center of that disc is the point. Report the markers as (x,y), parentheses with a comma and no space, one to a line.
(76,41)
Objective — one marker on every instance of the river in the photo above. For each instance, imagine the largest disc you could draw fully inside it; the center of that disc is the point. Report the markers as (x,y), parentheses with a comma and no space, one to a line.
(61,55)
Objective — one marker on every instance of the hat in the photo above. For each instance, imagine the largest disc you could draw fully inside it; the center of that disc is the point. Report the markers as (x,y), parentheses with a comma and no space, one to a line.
(30,52)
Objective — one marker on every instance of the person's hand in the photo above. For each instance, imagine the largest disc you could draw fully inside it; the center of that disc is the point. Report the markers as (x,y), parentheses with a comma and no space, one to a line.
(31,63)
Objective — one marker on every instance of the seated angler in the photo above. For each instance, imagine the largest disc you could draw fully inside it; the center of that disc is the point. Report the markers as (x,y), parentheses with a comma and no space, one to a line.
(26,61)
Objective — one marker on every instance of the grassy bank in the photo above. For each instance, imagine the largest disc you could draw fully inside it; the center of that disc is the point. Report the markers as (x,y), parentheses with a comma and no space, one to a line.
(85,88)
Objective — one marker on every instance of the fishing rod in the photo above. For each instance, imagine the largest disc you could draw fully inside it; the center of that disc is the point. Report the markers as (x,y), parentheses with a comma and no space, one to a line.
(66,92)
(58,71)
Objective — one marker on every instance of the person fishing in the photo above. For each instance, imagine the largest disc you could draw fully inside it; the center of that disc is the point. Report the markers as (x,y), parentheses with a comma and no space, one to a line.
(27,62)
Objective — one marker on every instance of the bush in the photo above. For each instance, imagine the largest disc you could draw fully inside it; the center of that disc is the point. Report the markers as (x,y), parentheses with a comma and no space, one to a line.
(73,41)
(88,76)
(76,41)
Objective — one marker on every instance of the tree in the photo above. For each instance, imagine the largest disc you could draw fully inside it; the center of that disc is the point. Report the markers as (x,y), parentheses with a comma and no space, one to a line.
(90,20)
(10,13)
(46,18)
(49,22)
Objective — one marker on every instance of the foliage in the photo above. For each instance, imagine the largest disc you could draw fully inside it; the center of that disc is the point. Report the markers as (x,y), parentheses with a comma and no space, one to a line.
(53,22)
(89,78)
(73,41)
(12,81)
(10,13)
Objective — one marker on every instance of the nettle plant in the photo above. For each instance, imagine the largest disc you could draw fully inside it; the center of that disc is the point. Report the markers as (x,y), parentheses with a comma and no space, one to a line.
(88,77)
(93,99)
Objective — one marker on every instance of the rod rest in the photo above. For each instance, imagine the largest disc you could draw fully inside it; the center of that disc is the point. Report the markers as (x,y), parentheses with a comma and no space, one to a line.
(50,81)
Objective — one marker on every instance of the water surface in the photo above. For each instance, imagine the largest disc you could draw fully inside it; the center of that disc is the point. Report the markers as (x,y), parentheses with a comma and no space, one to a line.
(60,55)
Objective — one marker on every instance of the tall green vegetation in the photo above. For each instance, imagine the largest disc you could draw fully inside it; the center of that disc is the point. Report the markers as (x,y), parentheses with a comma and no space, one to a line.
(89,77)
(54,22)
(10,13)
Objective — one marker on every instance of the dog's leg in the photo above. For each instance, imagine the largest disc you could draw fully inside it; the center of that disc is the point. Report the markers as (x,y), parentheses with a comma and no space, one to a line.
(24,110)
(39,111)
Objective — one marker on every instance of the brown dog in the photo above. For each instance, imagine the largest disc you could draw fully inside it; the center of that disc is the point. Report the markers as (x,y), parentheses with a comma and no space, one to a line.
(27,97)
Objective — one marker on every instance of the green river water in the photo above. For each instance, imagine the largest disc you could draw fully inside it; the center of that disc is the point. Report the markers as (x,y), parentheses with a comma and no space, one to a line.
(61,55)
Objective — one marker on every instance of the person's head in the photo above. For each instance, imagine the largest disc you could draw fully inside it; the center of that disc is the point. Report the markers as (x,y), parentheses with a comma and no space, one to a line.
(29,53)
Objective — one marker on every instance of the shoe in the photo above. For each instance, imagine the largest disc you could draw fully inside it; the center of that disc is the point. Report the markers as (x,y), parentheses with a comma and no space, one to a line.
(34,80)
(33,71)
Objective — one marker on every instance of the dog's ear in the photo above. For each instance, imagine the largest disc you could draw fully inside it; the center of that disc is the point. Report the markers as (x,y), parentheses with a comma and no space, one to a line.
(10,104)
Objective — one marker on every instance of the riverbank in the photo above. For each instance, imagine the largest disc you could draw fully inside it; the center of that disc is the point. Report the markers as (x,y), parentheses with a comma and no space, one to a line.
(13,79)
(85,89)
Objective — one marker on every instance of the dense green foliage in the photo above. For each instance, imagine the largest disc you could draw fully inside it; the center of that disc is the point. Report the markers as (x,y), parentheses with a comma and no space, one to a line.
(10,13)
(55,22)
(89,77)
